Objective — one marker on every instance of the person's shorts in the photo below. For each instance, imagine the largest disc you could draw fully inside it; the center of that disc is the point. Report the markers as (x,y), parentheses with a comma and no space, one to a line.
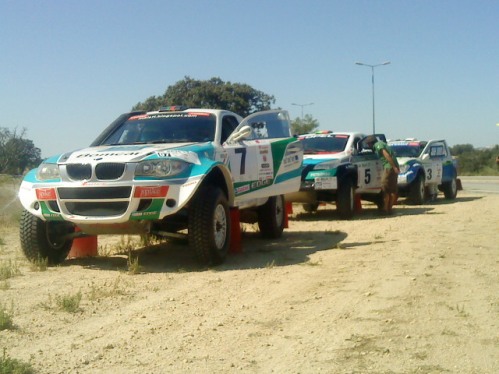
(389,181)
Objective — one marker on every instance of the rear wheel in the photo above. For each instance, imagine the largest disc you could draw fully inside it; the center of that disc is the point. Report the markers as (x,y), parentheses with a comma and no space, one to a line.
(417,190)
(45,240)
(271,217)
(450,189)
(209,226)
(345,199)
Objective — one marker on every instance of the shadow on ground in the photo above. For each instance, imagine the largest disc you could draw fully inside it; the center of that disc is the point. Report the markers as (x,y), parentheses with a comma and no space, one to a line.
(173,256)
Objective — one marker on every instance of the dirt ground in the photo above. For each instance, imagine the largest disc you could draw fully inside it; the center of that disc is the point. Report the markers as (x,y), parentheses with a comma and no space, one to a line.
(417,292)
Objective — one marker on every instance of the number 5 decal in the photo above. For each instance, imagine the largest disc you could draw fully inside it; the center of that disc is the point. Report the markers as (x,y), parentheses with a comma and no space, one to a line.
(242,151)
(367,176)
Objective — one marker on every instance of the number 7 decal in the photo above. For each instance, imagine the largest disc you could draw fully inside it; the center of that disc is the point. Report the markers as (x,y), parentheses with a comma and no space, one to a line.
(242,151)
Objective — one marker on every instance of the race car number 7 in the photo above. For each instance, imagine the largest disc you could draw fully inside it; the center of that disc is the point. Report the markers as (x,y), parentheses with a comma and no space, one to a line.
(242,151)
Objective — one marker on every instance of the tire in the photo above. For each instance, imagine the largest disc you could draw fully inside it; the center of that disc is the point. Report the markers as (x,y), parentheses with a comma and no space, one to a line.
(310,208)
(271,217)
(380,201)
(209,226)
(345,199)
(417,190)
(450,189)
(44,240)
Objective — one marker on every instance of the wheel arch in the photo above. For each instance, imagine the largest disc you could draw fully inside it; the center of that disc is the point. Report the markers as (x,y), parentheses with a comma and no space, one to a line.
(348,171)
(418,170)
(220,176)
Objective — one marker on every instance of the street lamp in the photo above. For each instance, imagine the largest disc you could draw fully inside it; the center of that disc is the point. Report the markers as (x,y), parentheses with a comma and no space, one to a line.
(302,105)
(372,71)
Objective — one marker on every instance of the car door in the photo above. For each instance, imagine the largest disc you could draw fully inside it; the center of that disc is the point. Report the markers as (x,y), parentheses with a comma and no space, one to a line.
(258,160)
(369,168)
(432,163)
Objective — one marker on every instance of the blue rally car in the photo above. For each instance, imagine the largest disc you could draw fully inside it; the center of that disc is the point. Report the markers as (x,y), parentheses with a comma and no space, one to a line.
(173,172)
(426,167)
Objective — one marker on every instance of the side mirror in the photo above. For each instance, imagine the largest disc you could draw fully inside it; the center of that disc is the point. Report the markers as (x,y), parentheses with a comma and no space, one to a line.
(239,135)
(426,156)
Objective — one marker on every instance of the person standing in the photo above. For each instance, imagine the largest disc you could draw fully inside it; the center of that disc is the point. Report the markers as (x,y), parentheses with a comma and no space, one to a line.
(391,171)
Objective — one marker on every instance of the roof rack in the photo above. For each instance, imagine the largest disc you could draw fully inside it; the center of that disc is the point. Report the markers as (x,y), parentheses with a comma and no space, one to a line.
(173,108)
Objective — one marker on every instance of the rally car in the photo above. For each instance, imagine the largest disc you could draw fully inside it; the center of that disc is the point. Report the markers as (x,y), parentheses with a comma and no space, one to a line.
(172,172)
(336,167)
(426,167)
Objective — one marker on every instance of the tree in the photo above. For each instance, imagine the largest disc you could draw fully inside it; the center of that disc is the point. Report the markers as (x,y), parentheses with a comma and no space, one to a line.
(16,152)
(472,161)
(213,94)
(461,148)
(304,125)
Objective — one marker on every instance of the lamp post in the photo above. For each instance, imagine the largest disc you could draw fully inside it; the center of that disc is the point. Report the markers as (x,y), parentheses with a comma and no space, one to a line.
(302,105)
(372,71)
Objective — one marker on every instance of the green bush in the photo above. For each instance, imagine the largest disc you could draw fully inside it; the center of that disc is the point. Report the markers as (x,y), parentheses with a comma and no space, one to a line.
(473,161)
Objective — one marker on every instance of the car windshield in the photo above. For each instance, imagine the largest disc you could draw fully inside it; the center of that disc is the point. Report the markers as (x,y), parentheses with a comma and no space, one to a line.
(324,144)
(406,150)
(165,128)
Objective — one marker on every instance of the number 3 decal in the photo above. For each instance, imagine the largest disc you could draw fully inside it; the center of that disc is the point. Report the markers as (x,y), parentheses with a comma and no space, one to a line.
(429,174)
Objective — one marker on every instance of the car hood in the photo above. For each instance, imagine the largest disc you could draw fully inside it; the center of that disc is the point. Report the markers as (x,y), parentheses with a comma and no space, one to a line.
(130,153)
(407,160)
(319,159)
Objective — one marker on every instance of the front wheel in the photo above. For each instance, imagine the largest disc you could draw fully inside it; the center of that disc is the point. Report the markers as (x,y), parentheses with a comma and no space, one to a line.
(417,190)
(209,226)
(45,240)
(271,217)
(450,189)
(345,199)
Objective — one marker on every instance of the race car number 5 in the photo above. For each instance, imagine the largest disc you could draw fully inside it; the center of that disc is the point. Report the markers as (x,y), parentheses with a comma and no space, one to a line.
(367,176)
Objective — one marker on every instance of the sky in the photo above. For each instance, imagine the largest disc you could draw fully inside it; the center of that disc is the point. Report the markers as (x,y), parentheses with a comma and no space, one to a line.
(68,68)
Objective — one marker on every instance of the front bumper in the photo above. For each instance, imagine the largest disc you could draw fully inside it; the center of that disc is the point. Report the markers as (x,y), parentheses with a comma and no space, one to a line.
(98,203)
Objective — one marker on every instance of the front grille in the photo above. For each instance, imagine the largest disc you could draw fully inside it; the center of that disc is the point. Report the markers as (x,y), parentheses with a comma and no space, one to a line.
(103,171)
(79,172)
(109,170)
(97,209)
(94,193)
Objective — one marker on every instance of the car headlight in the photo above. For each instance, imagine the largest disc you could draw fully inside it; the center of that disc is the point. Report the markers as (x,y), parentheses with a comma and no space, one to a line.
(160,168)
(47,171)
(404,168)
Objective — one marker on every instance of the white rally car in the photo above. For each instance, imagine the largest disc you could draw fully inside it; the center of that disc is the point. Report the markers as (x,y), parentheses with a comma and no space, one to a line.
(336,167)
(172,172)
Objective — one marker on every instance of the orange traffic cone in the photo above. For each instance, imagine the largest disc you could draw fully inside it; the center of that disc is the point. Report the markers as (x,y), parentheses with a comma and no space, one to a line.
(85,246)
(235,231)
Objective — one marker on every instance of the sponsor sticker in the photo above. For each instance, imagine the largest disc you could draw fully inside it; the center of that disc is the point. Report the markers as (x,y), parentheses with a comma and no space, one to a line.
(242,189)
(46,194)
(148,192)
(326,183)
